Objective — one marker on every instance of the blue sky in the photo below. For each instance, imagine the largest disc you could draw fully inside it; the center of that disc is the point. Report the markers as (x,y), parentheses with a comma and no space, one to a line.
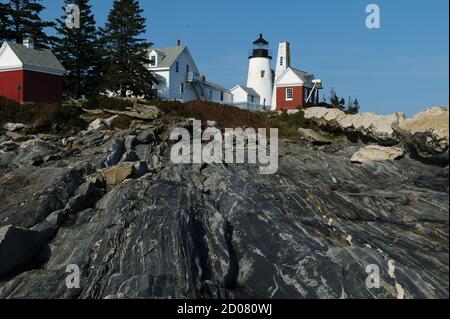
(404,66)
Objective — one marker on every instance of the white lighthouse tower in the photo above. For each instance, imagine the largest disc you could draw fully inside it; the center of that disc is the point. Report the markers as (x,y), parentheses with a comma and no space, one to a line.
(283,62)
(260,72)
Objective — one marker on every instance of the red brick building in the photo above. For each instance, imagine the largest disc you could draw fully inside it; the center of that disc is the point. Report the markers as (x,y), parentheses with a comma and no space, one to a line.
(294,87)
(30,75)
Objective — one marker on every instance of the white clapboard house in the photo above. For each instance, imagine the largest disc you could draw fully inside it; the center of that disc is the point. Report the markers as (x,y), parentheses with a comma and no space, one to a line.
(179,78)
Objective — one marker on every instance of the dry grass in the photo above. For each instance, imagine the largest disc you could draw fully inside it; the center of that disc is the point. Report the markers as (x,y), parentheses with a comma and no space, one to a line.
(42,118)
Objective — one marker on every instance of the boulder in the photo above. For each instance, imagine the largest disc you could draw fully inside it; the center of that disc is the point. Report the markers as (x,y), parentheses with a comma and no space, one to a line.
(313,137)
(18,247)
(368,126)
(426,135)
(150,111)
(13,127)
(29,194)
(98,124)
(117,174)
(377,153)
(140,112)
(16,137)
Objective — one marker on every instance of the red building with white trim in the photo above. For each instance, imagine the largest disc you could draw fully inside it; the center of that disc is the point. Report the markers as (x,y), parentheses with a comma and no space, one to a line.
(30,75)
(294,87)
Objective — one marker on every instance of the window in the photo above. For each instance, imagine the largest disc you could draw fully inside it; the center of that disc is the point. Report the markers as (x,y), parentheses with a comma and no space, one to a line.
(153,60)
(177,66)
(263,74)
(187,68)
(210,95)
(281,60)
(252,99)
(181,88)
(289,94)
(221,96)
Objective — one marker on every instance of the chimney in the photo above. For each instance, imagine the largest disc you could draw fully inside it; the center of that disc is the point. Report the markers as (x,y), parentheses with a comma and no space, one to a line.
(203,78)
(178,42)
(27,42)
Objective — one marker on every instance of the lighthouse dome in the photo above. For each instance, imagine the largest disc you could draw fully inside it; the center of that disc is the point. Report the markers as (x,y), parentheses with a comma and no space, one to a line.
(260,48)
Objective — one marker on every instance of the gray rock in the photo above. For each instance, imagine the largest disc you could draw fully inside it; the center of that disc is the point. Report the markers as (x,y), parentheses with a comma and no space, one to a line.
(115,152)
(130,156)
(225,231)
(18,248)
(313,137)
(29,194)
(145,137)
(130,141)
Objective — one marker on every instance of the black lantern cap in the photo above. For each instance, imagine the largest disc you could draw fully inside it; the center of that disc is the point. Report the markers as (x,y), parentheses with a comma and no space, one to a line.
(261,40)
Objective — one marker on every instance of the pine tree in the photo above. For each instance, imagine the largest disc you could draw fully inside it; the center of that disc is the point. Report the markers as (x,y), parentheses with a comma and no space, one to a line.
(354,109)
(4,22)
(25,22)
(334,100)
(127,53)
(342,103)
(78,51)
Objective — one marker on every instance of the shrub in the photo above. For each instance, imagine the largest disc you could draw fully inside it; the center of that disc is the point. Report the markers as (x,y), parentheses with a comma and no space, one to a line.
(104,102)
(42,118)
(287,124)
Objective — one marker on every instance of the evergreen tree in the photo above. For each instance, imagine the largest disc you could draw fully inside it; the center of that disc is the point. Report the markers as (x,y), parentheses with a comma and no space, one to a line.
(79,52)
(4,22)
(25,22)
(127,53)
(342,104)
(334,100)
(354,108)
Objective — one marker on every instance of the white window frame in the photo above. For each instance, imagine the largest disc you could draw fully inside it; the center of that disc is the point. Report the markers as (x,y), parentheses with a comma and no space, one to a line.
(181,88)
(281,60)
(263,74)
(289,94)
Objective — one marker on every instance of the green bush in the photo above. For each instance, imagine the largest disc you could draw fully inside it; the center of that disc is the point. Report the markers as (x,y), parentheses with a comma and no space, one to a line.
(287,124)
(104,102)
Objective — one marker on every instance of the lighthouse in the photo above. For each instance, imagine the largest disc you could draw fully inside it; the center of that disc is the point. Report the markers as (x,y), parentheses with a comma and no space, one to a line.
(260,71)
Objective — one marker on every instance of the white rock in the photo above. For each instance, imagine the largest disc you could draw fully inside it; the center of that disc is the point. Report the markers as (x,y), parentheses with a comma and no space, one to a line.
(98,124)
(377,153)
(434,120)
(12,127)
(378,127)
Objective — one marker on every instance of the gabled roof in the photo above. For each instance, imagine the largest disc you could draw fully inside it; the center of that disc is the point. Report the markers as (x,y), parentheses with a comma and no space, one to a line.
(41,59)
(248,90)
(170,55)
(215,86)
(303,76)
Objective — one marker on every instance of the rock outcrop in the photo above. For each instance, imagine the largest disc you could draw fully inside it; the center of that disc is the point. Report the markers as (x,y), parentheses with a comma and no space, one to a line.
(18,248)
(368,126)
(426,135)
(377,153)
(217,231)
